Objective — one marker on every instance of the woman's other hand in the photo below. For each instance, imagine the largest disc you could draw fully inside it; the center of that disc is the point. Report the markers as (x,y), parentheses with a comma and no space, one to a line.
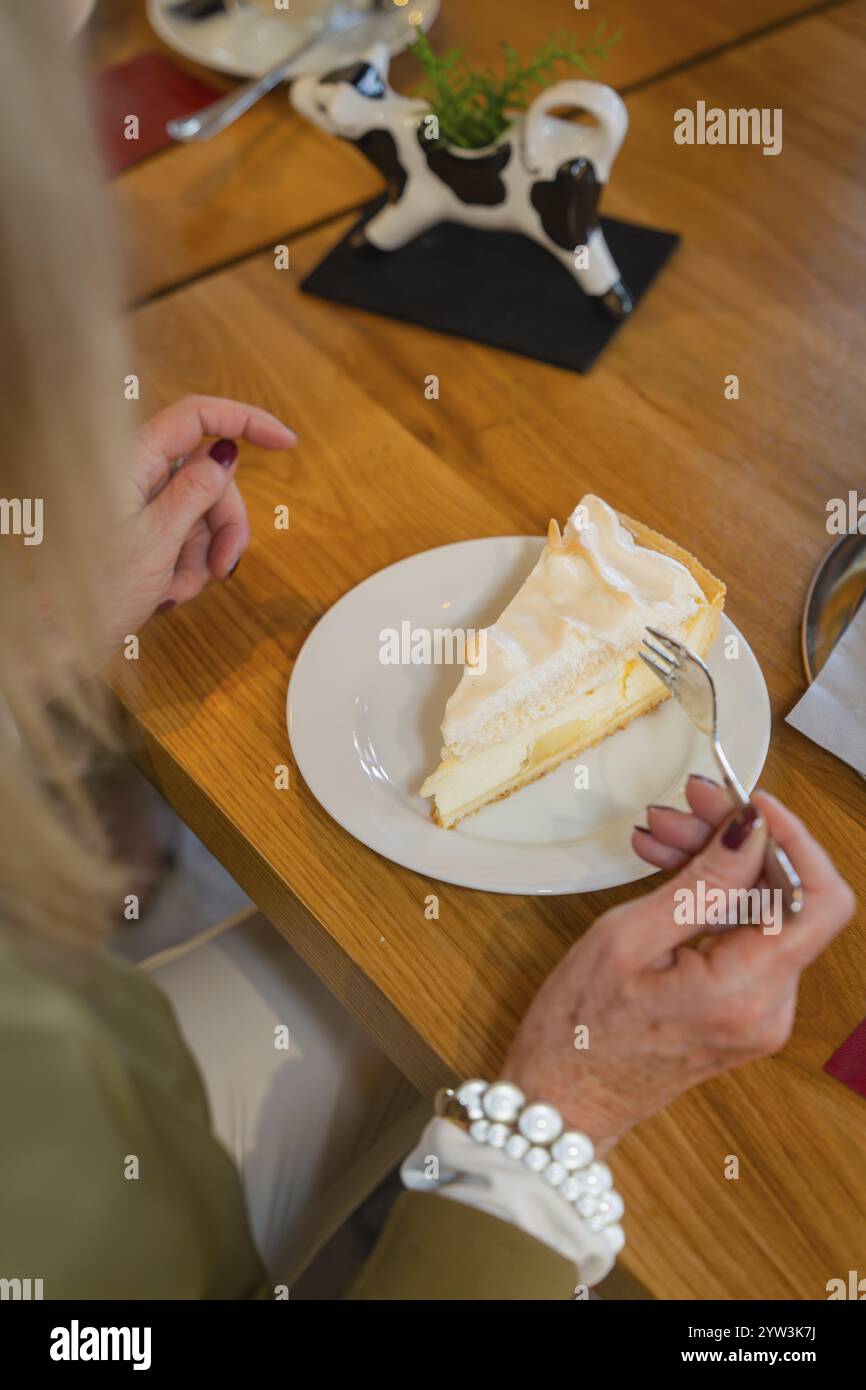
(188,523)
(664,1004)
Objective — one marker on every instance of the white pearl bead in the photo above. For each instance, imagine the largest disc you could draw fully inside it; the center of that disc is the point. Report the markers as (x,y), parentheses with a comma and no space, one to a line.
(611,1207)
(597,1177)
(571,1189)
(554,1173)
(516,1146)
(586,1205)
(479,1130)
(469,1095)
(536,1159)
(573,1149)
(540,1123)
(497,1135)
(614,1238)
(503,1101)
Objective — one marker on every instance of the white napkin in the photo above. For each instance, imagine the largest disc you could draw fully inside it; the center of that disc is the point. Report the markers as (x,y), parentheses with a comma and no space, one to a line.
(833,710)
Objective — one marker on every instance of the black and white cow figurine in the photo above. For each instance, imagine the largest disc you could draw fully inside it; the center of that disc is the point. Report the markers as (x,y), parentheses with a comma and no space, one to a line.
(543,177)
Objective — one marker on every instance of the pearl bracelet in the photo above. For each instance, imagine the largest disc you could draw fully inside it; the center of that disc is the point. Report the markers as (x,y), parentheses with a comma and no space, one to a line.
(498,1115)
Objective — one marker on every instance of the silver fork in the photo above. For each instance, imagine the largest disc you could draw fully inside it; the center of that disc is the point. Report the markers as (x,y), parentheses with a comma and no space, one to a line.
(691,684)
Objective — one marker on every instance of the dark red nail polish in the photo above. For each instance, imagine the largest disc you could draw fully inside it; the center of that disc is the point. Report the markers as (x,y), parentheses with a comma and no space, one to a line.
(232,568)
(699,777)
(225,451)
(741,827)
(166,604)
(656,807)
(643,829)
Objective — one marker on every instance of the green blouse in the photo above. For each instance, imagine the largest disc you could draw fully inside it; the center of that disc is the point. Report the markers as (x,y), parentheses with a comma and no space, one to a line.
(112,1184)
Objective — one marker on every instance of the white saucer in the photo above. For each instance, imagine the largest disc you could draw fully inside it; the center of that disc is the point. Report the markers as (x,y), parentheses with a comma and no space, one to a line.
(364,735)
(247,46)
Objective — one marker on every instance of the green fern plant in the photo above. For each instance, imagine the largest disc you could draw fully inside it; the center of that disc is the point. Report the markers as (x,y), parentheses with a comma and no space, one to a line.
(473,105)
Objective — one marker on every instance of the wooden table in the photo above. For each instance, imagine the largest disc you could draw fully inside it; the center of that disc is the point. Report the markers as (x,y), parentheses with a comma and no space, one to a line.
(768,284)
(194,208)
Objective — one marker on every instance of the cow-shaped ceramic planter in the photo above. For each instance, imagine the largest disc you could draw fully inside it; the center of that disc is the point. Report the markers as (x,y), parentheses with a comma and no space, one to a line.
(542,177)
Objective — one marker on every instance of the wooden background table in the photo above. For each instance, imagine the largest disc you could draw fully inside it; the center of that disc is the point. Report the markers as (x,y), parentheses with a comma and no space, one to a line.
(191,209)
(768,284)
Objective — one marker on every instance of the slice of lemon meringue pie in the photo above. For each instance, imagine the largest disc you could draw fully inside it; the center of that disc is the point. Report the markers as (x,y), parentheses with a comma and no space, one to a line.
(559,670)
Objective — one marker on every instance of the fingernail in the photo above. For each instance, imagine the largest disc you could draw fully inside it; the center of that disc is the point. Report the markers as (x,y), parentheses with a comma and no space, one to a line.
(166,604)
(657,807)
(741,827)
(225,451)
(231,569)
(643,829)
(699,777)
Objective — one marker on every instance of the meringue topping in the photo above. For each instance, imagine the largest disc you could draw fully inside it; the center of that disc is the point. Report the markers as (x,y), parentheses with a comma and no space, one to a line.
(581,612)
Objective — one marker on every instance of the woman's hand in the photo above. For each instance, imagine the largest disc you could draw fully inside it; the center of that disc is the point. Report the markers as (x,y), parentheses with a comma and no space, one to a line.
(188,524)
(662,1014)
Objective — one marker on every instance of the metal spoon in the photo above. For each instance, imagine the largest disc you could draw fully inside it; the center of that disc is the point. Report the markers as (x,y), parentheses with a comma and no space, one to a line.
(204,124)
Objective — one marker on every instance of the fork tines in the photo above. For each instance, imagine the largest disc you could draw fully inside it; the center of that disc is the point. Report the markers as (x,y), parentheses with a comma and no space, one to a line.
(664,672)
(671,642)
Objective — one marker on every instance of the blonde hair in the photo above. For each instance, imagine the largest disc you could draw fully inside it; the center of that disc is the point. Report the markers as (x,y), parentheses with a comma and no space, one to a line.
(66,441)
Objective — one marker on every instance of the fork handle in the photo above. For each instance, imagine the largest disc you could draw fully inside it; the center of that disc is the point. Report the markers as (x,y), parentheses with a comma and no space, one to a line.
(204,124)
(779,870)
(210,120)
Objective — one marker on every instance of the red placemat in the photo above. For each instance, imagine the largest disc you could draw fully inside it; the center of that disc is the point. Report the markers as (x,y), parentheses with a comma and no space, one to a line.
(848,1063)
(152,89)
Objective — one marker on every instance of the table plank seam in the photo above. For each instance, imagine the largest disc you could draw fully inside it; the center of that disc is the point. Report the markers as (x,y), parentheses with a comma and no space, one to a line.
(175,287)
(708,55)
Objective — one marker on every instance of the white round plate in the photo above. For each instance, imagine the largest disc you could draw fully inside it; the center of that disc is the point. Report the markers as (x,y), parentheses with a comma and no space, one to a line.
(364,736)
(247,46)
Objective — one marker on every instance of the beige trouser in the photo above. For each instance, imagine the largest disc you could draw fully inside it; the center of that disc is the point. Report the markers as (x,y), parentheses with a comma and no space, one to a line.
(313,1126)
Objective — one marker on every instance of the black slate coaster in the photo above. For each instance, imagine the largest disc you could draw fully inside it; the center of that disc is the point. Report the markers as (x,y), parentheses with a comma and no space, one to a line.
(498,288)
